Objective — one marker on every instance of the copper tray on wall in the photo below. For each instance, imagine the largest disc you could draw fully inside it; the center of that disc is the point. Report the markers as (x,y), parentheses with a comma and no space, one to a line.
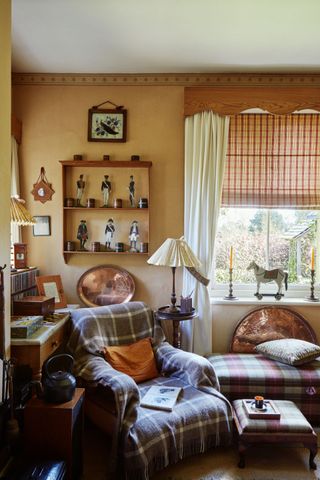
(105,285)
(269,323)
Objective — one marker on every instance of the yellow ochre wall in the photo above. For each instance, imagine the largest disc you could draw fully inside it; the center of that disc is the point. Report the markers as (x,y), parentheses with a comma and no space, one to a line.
(5,149)
(54,120)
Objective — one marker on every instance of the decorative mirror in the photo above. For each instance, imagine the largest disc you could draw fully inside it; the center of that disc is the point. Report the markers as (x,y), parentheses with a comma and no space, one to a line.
(42,189)
(105,285)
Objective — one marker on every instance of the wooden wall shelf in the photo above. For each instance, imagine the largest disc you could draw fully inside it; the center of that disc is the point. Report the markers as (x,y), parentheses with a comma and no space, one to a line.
(119,174)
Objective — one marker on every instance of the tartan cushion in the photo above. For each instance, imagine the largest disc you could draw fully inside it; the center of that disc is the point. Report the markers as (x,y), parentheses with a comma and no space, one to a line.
(291,419)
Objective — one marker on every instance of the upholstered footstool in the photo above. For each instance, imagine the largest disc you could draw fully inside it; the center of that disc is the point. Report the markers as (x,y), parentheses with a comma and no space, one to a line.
(292,427)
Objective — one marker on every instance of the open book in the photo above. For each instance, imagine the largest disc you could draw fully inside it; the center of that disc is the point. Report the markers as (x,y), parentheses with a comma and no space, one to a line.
(163,398)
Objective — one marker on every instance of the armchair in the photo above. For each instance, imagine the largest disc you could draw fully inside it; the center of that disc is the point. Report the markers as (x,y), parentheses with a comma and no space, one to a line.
(144,440)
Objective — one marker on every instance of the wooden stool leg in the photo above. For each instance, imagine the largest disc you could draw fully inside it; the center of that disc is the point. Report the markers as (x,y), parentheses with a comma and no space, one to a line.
(242,449)
(313,453)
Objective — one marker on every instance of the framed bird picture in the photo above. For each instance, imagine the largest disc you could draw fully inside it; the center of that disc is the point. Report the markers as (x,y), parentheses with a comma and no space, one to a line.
(107,125)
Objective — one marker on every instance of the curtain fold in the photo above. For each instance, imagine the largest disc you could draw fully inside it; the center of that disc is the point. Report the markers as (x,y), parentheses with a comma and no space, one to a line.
(206,139)
(15,187)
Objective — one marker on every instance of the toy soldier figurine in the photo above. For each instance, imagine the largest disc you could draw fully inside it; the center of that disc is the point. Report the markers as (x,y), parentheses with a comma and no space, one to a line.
(82,234)
(133,236)
(109,231)
(80,189)
(106,189)
(131,191)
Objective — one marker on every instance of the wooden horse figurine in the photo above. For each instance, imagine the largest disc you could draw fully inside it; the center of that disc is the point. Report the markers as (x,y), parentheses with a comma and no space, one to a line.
(266,276)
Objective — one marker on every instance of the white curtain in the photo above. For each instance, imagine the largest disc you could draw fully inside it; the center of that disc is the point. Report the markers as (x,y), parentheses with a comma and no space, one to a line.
(15,187)
(206,138)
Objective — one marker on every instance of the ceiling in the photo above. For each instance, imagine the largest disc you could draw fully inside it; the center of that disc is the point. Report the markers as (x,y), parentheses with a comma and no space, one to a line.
(165,36)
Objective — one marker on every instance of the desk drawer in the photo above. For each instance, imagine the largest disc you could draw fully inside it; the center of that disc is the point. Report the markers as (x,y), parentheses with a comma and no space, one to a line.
(53,343)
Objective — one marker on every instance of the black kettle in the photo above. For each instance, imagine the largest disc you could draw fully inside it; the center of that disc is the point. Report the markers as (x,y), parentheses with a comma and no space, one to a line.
(58,385)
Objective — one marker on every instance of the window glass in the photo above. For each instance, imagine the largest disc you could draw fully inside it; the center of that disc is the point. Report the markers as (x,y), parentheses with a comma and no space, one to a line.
(273,238)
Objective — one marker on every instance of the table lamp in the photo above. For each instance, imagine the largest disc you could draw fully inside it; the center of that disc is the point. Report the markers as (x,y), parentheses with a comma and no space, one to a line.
(19,215)
(174,253)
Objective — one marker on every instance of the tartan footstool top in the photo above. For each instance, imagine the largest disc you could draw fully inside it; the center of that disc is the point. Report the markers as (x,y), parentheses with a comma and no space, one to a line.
(291,419)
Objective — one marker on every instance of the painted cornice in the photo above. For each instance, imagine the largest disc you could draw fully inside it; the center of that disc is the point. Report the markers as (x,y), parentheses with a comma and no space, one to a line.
(186,79)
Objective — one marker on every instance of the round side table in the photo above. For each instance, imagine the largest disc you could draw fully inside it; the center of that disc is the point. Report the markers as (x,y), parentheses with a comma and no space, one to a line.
(164,313)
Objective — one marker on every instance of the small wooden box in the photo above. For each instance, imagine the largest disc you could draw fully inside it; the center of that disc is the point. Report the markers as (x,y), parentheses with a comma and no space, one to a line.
(37,305)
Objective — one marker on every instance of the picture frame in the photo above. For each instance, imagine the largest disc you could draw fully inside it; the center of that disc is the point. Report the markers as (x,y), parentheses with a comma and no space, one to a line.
(51,286)
(43,226)
(107,125)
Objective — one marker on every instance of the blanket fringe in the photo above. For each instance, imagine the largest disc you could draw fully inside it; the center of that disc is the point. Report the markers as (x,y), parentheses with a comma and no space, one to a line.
(160,462)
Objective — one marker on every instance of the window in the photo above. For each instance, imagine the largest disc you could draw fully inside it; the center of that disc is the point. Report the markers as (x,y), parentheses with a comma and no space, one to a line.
(271,196)
(271,237)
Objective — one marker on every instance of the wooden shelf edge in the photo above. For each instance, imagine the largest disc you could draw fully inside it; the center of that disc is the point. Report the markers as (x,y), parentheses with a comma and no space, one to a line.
(106,163)
(127,209)
(67,252)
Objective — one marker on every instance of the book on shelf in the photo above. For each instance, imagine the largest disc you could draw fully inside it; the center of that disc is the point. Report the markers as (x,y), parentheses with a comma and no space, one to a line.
(162,397)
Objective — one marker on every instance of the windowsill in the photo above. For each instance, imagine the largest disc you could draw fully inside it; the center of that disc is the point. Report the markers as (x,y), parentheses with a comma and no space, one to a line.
(265,301)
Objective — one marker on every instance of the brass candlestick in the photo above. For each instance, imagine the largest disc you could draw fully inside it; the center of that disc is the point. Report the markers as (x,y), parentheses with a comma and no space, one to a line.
(312,297)
(230,296)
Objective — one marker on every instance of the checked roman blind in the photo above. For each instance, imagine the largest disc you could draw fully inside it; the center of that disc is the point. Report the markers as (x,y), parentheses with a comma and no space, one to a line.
(273,161)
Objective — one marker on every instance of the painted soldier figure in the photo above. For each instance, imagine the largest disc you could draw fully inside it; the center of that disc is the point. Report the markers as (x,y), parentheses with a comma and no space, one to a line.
(106,189)
(80,189)
(131,191)
(133,236)
(109,232)
(82,234)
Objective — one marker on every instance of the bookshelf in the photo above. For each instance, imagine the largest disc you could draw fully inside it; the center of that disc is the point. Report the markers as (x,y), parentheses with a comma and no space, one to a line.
(23,283)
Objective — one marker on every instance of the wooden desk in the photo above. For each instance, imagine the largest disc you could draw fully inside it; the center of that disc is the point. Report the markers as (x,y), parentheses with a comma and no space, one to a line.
(33,351)
(55,432)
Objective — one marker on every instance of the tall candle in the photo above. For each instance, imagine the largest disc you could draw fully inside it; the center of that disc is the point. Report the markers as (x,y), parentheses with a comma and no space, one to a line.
(312,258)
(231,257)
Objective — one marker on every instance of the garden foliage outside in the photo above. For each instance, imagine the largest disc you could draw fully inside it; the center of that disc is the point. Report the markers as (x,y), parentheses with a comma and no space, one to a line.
(291,235)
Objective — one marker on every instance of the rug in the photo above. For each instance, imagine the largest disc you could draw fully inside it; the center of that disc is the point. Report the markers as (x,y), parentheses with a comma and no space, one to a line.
(262,463)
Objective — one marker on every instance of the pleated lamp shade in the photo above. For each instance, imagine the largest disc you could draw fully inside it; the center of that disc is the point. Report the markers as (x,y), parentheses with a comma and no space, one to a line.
(174,252)
(19,214)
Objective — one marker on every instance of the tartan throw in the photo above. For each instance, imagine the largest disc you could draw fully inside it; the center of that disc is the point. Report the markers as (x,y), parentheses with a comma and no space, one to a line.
(291,419)
(273,161)
(247,375)
(146,440)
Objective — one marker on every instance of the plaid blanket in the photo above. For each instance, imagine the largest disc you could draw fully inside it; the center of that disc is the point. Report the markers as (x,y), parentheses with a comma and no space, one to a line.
(146,440)
(246,375)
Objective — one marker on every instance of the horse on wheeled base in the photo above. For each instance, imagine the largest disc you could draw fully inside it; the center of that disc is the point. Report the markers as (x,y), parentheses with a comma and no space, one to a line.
(266,276)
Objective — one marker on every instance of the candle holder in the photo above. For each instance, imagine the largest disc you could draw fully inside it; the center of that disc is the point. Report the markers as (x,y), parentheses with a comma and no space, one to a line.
(230,296)
(312,297)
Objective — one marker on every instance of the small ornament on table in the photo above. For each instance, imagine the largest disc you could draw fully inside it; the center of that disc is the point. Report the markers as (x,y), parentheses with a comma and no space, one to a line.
(132,192)
(133,236)
(80,190)
(230,296)
(259,402)
(82,234)
(106,189)
(109,233)
(312,296)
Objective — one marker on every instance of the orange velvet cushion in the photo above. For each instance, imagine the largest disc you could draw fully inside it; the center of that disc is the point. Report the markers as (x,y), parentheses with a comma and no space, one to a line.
(136,360)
